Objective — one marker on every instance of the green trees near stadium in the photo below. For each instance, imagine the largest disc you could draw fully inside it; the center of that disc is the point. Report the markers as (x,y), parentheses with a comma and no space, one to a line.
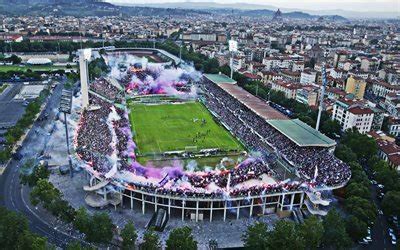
(15,234)
(51,198)
(129,236)
(97,228)
(151,241)
(30,179)
(312,232)
(286,234)
(335,235)
(356,228)
(181,238)
(255,236)
(390,203)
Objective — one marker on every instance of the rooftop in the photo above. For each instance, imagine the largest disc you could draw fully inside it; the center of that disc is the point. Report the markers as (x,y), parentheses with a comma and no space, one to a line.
(302,134)
(219,78)
(261,108)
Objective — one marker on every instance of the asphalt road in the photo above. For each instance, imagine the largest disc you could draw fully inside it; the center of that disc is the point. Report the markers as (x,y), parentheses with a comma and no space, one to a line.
(16,197)
(11,110)
(379,231)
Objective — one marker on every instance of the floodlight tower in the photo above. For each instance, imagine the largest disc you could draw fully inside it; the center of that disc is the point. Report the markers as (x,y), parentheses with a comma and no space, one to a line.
(324,83)
(65,107)
(233,47)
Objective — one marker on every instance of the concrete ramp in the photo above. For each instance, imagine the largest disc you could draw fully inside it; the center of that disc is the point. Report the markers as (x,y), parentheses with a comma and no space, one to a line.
(97,186)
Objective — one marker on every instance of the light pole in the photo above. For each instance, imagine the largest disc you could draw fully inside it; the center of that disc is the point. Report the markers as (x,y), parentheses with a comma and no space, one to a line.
(65,107)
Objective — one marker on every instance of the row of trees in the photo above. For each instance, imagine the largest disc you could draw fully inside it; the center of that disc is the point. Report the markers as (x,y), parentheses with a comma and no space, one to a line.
(13,59)
(312,234)
(358,203)
(15,133)
(97,228)
(15,233)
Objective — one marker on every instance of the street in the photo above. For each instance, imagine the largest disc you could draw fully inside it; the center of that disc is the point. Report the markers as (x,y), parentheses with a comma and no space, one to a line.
(15,197)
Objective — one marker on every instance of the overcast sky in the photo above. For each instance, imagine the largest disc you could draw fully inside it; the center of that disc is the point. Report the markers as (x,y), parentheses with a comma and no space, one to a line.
(354,5)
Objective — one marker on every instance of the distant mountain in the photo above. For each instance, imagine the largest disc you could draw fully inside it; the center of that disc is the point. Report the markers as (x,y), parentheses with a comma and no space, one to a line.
(247,6)
(84,8)
(294,15)
(197,5)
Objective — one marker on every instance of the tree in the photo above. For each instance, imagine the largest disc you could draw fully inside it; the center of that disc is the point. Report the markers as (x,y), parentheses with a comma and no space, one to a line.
(44,192)
(356,189)
(390,203)
(284,236)
(331,128)
(255,236)
(345,153)
(151,241)
(353,139)
(15,234)
(97,228)
(363,209)
(82,220)
(356,228)
(181,238)
(39,172)
(129,236)
(312,232)
(101,228)
(335,235)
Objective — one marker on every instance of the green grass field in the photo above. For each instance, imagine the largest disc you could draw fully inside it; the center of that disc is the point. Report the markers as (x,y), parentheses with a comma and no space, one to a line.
(171,127)
(5,68)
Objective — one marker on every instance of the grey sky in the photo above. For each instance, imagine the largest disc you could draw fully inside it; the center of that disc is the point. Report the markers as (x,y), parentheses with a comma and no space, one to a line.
(353,5)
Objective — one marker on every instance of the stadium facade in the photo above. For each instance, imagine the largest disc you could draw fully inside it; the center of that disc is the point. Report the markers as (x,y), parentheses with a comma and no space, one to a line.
(250,188)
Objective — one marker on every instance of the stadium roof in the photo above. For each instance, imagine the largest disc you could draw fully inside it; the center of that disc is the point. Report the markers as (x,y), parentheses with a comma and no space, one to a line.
(301,134)
(258,106)
(220,78)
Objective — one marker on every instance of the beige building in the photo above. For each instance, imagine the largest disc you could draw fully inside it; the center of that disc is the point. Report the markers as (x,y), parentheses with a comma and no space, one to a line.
(356,85)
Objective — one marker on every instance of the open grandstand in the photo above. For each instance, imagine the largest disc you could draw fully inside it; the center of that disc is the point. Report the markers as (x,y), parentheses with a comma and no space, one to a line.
(147,108)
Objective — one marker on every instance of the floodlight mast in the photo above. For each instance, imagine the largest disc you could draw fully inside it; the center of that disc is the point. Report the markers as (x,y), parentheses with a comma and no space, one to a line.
(66,107)
(321,99)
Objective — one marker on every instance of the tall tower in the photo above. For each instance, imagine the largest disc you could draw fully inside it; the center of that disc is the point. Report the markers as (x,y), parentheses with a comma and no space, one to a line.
(84,58)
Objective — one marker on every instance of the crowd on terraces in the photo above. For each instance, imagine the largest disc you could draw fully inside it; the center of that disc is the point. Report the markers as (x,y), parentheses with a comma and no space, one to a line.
(94,136)
(93,145)
(314,164)
(104,88)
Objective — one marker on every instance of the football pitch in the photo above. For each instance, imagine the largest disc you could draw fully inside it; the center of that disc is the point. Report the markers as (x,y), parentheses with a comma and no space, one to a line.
(173,127)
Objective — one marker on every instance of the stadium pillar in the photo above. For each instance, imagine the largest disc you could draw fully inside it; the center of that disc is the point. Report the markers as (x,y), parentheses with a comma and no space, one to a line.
(84,57)
(122,199)
(197,211)
(169,206)
(211,211)
(225,203)
(155,203)
(251,207)
(131,201)
(301,199)
(263,206)
(183,210)
(291,202)
(238,210)
(282,201)
(143,205)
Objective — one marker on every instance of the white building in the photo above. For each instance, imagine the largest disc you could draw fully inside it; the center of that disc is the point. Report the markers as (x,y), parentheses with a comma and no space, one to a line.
(308,76)
(353,116)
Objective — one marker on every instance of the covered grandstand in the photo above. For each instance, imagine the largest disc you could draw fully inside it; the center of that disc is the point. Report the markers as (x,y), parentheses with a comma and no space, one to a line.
(252,186)
(302,134)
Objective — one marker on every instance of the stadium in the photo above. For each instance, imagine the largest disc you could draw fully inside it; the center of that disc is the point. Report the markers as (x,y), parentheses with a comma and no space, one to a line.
(155,134)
